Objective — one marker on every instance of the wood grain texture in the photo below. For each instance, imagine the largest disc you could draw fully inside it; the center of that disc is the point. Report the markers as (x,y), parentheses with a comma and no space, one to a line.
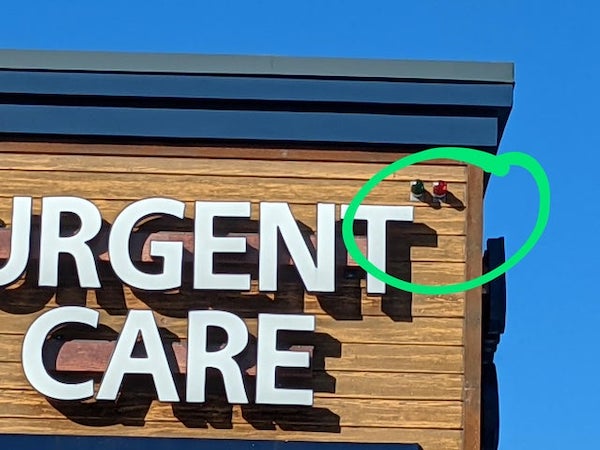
(260,152)
(351,301)
(369,330)
(386,368)
(446,249)
(370,358)
(473,313)
(445,221)
(351,384)
(420,272)
(429,439)
(352,412)
(75,356)
(224,167)
(125,186)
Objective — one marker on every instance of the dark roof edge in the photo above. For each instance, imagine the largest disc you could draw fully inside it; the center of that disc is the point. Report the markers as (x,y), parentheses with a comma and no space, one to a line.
(493,72)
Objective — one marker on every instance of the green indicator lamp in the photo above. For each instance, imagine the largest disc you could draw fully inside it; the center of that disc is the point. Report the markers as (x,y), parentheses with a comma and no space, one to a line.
(417,188)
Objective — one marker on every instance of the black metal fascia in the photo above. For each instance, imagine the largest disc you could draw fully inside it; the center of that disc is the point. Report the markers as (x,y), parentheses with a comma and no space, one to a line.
(141,443)
(253,88)
(493,325)
(263,65)
(284,106)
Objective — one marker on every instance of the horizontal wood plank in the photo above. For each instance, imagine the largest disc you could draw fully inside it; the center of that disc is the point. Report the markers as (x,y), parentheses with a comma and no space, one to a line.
(351,300)
(435,273)
(352,412)
(93,356)
(223,167)
(446,249)
(353,357)
(417,248)
(125,186)
(353,384)
(429,439)
(444,221)
(369,330)
(261,152)
(397,358)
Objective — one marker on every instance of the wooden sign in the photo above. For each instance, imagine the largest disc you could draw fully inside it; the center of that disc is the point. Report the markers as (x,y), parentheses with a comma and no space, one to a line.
(390,367)
(172,264)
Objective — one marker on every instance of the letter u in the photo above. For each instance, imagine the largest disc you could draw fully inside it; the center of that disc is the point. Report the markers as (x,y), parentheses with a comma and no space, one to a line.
(19,241)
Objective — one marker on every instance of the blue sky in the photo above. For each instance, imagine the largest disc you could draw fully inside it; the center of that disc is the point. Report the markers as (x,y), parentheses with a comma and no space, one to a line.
(547,360)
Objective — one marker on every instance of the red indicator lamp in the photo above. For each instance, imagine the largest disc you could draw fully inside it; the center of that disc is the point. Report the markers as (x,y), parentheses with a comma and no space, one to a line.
(440,189)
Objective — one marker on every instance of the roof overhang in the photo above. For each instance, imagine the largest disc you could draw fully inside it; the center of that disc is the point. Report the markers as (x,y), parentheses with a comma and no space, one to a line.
(305,101)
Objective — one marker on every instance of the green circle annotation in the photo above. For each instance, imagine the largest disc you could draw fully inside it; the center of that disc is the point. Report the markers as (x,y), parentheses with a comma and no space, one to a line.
(496,165)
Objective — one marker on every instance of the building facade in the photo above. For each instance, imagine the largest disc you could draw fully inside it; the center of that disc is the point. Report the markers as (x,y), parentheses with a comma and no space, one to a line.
(186,276)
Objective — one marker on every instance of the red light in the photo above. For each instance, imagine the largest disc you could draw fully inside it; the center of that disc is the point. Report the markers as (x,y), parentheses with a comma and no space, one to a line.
(440,188)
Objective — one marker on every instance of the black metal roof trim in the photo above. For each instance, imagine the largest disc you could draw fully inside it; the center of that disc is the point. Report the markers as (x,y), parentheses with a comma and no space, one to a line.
(248,125)
(22,442)
(256,65)
(254,88)
(320,100)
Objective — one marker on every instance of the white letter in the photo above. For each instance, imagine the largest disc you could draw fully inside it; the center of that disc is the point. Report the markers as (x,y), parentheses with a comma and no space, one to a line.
(121,362)
(171,252)
(377,217)
(19,241)
(316,278)
(52,243)
(206,245)
(199,358)
(33,361)
(268,359)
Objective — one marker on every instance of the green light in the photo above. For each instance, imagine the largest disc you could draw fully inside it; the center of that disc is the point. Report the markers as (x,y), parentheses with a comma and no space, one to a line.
(417,188)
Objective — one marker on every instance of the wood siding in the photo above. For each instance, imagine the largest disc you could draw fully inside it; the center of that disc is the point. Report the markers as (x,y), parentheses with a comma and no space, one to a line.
(385,368)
